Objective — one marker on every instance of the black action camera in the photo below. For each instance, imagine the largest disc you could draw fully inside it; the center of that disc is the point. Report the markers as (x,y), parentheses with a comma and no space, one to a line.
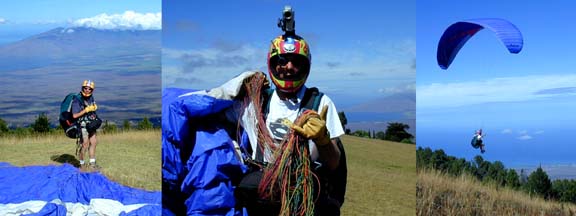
(287,23)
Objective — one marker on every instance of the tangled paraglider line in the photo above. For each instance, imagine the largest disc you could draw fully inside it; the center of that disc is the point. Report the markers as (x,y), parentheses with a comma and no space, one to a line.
(288,177)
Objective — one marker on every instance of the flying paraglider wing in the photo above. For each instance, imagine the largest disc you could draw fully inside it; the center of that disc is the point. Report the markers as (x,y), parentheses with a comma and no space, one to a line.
(458,33)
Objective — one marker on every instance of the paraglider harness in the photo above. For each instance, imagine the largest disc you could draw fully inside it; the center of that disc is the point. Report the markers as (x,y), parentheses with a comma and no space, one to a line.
(476,143)
(332,182)
(73,127)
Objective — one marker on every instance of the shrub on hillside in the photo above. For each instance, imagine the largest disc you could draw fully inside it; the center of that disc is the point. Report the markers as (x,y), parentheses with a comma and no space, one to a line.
(3,127)
(42,124)
(397,132)
(145,124)
(538,183)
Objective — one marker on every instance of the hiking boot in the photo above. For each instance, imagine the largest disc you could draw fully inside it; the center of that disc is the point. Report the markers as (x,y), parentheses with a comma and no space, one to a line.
(95,166)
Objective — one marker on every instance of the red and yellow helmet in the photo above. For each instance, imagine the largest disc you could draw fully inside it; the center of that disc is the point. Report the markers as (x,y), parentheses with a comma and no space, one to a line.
(87,83)
(296,47)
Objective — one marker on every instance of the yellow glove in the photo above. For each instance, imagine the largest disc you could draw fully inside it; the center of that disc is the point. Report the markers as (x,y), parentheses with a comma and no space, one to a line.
(90,108)
(315,128)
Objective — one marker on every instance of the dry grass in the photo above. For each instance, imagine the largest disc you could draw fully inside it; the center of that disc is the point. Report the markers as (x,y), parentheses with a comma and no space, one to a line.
(438,194)
(381,177)
(131,158)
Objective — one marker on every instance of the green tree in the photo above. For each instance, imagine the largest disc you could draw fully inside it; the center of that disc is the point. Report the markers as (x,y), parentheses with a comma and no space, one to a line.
(407,141)
(456,167)
(126,125)
(497,173)
(512,179)
(109,128)
(380,135)
(423,157)
(343,119)
(564,190)
(42,124)
(397,132)
(361,133)
(538,183)
(481,167)
(145,124)
(3,127)
(439,160)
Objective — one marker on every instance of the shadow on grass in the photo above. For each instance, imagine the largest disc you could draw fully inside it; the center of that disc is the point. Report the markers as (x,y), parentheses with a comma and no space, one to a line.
(66,158)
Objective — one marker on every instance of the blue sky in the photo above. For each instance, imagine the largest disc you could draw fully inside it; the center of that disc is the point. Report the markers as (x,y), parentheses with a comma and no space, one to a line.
(361,51)
(525,101)
(19,19)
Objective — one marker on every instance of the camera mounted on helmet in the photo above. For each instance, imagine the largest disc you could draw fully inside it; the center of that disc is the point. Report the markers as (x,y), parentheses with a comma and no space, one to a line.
(287,23)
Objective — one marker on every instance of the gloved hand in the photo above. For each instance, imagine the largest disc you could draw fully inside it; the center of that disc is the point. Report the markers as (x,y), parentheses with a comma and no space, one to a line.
(91,108)
(315,128)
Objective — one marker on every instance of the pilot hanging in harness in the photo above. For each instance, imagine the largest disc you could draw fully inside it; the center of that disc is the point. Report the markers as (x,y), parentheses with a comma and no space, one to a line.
(477,141)
(84,111)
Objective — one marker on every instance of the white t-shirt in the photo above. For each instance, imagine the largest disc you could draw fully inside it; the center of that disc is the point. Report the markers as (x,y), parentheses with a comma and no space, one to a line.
(290,109)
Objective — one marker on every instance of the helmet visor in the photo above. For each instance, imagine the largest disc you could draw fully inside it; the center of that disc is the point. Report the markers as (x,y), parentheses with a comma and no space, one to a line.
(298,61)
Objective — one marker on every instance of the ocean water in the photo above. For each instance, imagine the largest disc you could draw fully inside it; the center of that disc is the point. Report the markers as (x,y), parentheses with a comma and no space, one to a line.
(515,149)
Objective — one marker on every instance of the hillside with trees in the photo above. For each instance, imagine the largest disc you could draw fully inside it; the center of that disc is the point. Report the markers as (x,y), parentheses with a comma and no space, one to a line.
(487,188)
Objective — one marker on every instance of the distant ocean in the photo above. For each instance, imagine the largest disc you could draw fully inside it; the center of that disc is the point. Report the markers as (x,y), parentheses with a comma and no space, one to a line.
(377,121)
(550,148)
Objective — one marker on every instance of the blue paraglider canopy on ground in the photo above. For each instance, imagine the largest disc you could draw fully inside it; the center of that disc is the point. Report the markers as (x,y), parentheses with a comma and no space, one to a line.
(64,190)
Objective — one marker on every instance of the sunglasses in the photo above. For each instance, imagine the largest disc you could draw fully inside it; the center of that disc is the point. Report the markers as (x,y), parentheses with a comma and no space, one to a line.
(87,88)
(284,59)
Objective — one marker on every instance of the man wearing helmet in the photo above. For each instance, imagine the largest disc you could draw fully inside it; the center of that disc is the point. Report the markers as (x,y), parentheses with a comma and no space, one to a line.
(289,63)
(84,109)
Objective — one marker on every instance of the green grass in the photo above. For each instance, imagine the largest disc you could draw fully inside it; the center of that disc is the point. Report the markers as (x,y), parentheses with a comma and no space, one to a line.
(130,158)
(381,177)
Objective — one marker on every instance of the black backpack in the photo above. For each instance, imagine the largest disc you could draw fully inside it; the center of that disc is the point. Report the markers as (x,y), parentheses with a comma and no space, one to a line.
(67,121)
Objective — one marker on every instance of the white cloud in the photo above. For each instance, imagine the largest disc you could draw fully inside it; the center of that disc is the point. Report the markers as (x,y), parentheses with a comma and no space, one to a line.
(506,131)
(524,137)
(209,67)
(129,20)
(2,20)
(505,89)
(398,89)
(383,68)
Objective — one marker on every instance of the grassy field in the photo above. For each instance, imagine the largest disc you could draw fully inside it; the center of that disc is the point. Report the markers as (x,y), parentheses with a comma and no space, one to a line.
(381,174)
(381,177)
(438,194)
(130,158)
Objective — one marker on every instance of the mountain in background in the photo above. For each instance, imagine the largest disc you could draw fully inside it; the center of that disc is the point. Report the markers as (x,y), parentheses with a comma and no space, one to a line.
(376,114)
(40,70)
